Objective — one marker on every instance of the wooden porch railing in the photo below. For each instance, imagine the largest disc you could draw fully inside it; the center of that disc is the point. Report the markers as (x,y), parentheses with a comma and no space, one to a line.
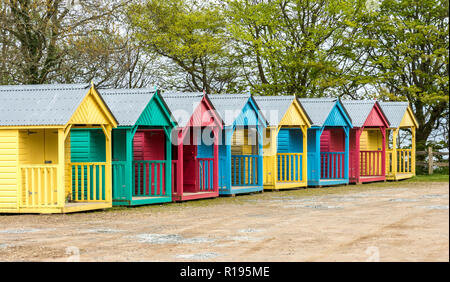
(290,167)
(205,174)
(88,182)
(370,163)
(404,161)
(332,165)
(39,186)
(149,178)
(244,169)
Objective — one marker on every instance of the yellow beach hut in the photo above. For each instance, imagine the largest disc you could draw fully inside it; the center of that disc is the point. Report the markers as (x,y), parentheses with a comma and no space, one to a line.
(400,140)
(285,142)
(36,171)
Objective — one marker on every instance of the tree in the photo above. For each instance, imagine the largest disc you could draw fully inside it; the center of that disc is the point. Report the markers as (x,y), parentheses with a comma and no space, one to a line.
(46,41)
(406,45)
(192,36)
(292,46)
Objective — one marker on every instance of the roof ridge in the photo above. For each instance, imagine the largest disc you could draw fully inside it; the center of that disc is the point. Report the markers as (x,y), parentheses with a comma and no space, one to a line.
(182,94)
(43,87)
(229,95)
(127,91)
(275,97)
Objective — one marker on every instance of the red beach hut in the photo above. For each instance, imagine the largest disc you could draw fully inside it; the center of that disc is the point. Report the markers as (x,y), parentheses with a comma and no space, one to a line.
(367,141)
(195,153)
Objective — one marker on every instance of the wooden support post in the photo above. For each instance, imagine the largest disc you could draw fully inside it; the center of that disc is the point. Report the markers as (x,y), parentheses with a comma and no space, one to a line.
(108,168)
(304,171)
(180,181)
(260,132)
(228,131)
(274,156)
(168,186)
(413,150)
(358,155)
(129,165)
(318,157)
(216,160)
(383,151)
(430,160)
(347,153)
(394,152)
(61,189)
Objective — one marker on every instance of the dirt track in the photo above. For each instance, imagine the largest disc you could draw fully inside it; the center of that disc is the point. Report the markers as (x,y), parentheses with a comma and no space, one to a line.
(389,222)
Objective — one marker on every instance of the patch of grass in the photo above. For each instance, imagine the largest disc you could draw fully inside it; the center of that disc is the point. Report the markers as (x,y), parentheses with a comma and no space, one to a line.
(429,178)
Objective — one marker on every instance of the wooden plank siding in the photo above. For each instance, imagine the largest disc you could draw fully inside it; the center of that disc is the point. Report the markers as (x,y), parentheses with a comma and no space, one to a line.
(9,163)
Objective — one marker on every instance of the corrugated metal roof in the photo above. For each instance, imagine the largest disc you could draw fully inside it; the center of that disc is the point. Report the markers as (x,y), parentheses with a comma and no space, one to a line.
(274,108)
(229,106)
(358,110)
(318,109)
(182,105)
(44,104)
(127,105)
(394,112)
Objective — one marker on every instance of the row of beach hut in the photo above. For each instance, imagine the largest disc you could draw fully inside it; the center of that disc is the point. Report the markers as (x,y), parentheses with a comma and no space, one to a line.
(69,148)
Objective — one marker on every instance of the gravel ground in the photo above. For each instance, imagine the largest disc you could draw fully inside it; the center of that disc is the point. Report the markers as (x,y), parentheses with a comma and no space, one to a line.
(386,222)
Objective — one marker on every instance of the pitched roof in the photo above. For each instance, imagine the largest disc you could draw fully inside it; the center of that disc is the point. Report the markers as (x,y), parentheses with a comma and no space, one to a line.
(274,108)
(44,104)
(394,111)
(127,105)
(318,109)
(270,105)
(359,110)
(229,106)
(182,105)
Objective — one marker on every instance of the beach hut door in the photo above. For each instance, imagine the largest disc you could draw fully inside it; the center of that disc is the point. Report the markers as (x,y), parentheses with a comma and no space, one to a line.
(189,168)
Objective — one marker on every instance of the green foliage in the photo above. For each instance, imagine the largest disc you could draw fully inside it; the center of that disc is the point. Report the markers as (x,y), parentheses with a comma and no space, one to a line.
(406,43)
(190,34)
(293,46)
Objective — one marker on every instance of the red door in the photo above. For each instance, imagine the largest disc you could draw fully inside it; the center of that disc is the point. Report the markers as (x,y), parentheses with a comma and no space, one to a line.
(189,168)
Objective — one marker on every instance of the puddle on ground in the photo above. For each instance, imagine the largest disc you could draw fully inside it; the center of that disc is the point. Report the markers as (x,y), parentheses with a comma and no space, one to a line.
(403,200)
(104,230)
(243,238)
(170,239)
(4,246)
(344,199)
(316,206)
(198,256)
(435,196)
(444,207)
(363,195)
(20,231)
(250,230)
(256,215)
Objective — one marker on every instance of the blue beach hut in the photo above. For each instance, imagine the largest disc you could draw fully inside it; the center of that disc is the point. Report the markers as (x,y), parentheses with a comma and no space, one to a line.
(328,142)
(241,146)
